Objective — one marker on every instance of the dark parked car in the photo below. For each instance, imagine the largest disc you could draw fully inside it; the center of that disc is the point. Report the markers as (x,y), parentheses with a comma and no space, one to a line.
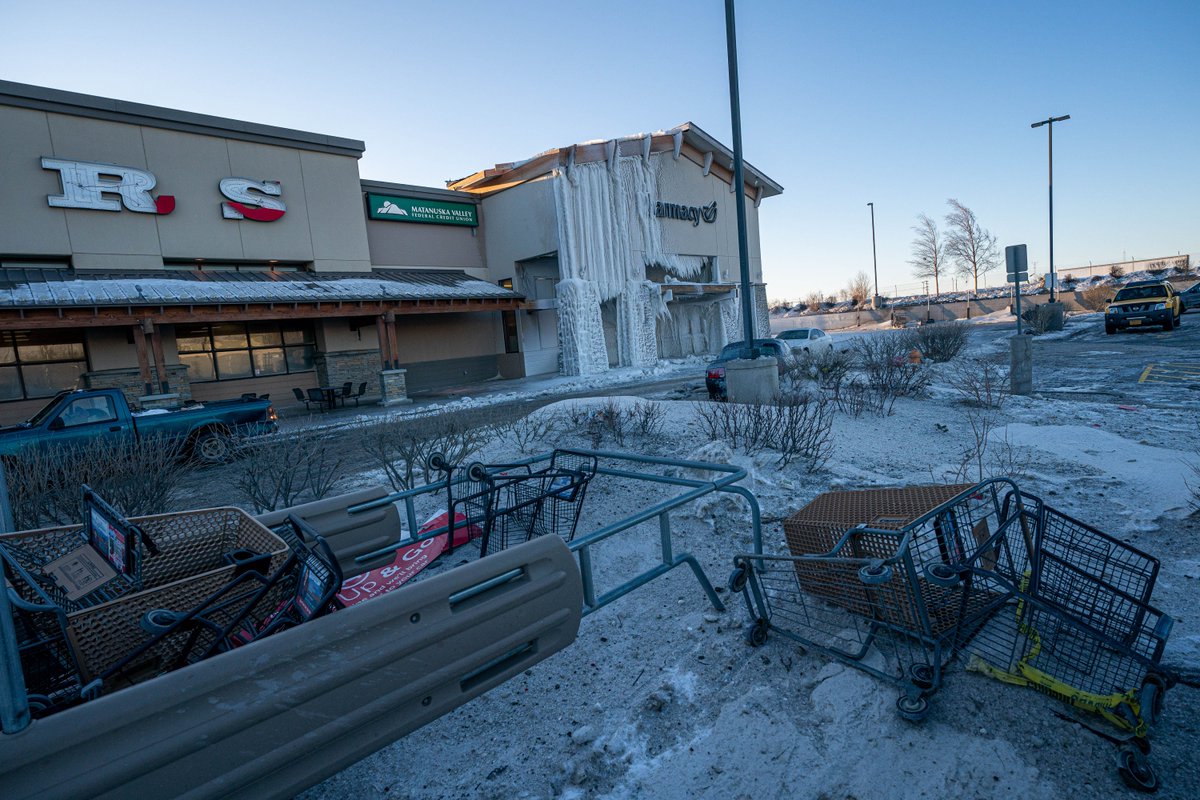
(714,379)
(1190,297)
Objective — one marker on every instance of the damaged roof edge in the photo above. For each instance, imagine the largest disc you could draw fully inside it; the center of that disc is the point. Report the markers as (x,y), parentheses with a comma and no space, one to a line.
(697,137)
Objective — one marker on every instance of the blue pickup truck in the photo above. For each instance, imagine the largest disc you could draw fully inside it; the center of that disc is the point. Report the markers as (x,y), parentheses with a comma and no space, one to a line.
(78,417)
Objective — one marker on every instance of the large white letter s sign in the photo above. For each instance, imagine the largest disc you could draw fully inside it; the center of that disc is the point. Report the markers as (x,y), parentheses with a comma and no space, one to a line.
(260,207)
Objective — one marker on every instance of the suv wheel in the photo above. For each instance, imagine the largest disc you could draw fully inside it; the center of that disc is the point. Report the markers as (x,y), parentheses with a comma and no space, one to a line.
(1169,324)
(1109,328)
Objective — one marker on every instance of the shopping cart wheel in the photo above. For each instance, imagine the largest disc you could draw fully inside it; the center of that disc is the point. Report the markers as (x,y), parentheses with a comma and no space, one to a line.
(438,462)
(739,578)
(756,633)
(476,472)
(921,675)
(941,575)
(1151,697)
(912,709)
(875,574)
(1136,771)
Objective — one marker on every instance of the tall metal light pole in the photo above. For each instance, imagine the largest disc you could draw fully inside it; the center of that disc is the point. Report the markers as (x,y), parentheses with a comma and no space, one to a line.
(1050,128)
(874,260)
(735,112)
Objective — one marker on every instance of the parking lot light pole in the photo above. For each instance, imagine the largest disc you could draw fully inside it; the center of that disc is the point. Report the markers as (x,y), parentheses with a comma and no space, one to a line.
(735,113)
(874,260)
(1049,123)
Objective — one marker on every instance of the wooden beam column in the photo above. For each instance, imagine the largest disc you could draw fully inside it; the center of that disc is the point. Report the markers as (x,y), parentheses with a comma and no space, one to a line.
(139,342)
(160,361)
(385,355)
(390,319)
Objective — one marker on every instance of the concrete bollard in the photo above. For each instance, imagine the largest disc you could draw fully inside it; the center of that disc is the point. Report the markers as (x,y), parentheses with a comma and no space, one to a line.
(752,380)
(1020,371)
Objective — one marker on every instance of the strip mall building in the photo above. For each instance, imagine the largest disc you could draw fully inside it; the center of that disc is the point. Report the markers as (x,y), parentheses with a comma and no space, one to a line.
(181,257)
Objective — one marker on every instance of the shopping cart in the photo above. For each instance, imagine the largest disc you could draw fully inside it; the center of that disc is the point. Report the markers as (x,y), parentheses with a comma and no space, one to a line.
(1078,626)
(1009,586)
(90,603)
(506,504)
(883,599)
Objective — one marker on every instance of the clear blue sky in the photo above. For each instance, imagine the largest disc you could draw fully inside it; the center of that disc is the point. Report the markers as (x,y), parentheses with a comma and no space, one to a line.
(843,103)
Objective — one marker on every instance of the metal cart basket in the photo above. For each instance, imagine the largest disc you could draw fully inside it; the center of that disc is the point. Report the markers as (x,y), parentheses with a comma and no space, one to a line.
(1018,590)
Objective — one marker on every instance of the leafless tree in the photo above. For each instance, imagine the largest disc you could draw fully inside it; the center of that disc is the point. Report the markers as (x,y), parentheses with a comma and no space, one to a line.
(969,245)
(928,252)
(860,288)
(814,301)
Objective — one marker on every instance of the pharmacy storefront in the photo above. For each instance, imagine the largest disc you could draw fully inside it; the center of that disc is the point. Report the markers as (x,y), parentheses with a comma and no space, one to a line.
(625,250)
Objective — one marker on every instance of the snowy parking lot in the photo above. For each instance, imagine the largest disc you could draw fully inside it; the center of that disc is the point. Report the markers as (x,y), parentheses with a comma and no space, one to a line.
(661,697)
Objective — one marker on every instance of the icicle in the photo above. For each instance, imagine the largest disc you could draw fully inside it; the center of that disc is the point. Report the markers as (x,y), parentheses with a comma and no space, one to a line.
(580,329)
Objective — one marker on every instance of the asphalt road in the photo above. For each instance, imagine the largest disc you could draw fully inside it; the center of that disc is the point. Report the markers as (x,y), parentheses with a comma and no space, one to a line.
(1150,367)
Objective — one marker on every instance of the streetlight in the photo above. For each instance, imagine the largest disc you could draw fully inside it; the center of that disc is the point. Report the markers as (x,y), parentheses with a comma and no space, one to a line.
(874,261)
(735,113)
(1050,129)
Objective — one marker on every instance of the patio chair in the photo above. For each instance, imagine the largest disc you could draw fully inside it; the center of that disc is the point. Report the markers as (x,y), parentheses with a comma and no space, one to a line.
(317,397)
(299,393)
(347,392)
(362,389)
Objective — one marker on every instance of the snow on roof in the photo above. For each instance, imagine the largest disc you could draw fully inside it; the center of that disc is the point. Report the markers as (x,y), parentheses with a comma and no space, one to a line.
(22,288)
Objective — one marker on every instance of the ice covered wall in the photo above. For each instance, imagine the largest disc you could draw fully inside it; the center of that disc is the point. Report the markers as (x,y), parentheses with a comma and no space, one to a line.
(580,330)
(603,213)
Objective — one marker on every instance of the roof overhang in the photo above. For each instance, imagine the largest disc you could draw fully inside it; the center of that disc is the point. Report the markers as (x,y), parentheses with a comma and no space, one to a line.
(685,141)
(62,298)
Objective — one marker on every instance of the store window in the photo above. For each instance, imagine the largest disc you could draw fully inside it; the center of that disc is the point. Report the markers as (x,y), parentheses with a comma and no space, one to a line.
(40,363)
(227,351)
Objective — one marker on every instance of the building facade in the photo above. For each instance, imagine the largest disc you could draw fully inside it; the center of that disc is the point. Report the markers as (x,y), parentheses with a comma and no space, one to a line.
(183,257)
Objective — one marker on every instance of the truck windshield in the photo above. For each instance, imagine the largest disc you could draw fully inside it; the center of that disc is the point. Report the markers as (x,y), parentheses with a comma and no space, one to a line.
(45,410)
(1141,293)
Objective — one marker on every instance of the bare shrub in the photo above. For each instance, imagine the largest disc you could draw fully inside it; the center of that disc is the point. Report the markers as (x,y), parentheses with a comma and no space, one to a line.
(279,471)
(799,427)
(941,341)
(1039,319)
(613,423)
(814,301)
(648,418)
(1095,298)
(1067,282)
(883,359)
(981,383)
(860,288)
(1116,271)
(401,445)
(855,398)
(531,431)
(138,478)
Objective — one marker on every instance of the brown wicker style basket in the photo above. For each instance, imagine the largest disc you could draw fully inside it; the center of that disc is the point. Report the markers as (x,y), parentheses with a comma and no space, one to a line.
(819,527)
(188,568)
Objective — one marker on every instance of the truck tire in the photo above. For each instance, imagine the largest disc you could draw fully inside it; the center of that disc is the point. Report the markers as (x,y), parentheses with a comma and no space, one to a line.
(211,447)
(1169,324)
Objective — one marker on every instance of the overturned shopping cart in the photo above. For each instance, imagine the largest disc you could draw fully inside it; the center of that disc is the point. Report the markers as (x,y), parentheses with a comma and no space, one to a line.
(900,583)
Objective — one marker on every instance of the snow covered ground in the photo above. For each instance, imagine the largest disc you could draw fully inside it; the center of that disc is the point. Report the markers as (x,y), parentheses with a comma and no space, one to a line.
(661,697)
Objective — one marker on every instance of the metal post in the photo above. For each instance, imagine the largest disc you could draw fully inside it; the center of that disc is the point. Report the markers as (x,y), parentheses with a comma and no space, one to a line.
(874,260)
(1049,122)
(735,113)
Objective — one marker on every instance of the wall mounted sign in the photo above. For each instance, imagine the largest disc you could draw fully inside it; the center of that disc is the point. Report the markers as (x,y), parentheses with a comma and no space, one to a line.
(86,184)
(411,209)
(260,207)
(692,214)
(109,187)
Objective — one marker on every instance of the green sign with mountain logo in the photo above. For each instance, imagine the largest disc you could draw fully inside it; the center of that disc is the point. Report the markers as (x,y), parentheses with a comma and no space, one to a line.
(411,209)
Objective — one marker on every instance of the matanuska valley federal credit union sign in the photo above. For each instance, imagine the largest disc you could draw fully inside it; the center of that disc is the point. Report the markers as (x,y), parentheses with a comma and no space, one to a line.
(410,209)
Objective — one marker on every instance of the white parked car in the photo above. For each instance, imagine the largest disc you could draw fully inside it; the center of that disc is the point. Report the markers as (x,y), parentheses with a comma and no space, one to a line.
(806,340)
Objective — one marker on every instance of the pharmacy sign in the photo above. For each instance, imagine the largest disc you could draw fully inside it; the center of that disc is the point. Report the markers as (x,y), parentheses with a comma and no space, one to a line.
(412,209)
